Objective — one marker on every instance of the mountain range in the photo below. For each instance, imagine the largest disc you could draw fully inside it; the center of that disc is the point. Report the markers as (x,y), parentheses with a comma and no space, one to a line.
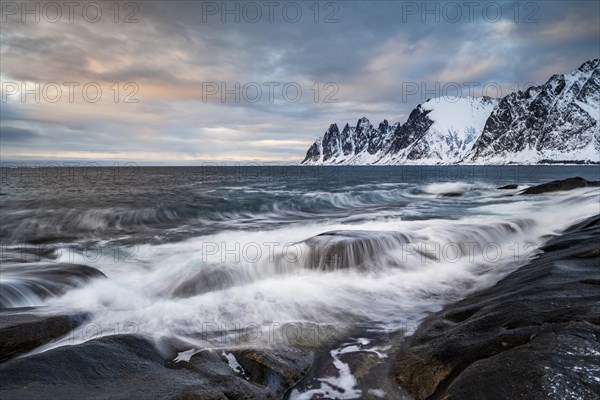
(557,122)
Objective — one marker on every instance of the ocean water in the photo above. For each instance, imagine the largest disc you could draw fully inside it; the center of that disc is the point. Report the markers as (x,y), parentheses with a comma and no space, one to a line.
(227,257)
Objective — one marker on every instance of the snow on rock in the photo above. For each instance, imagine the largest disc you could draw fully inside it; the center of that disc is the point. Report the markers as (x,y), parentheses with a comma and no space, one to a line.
(439,130)
(557,122)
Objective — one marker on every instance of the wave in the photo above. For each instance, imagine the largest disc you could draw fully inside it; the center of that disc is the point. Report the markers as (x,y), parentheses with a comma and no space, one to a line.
(29,285)
(213,210)
(453,188)
(385,273)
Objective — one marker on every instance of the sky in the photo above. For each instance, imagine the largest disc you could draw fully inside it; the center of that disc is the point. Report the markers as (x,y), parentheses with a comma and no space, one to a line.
(194,82)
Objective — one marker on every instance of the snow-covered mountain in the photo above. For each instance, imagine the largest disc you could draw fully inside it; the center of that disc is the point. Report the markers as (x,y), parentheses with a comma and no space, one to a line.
(558,121)
(441,131)
(555,122)
(360,144)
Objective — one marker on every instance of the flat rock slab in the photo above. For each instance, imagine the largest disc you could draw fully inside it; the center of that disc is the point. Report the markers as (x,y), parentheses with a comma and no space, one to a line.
(558,185)
(129,367)
(22,332)
(534,335)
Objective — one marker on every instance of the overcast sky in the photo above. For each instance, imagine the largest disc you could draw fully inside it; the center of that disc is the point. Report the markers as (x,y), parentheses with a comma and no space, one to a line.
(172,62)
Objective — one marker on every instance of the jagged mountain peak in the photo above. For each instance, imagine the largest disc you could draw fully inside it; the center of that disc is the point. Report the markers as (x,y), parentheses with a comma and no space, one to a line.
(556,121)
(363,121)
(590,65)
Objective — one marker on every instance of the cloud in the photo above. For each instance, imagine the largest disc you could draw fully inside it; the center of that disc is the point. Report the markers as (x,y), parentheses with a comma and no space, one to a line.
(17,135)
(175,49)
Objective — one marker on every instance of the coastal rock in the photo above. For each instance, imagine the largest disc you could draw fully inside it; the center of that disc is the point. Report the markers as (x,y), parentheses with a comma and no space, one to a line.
(533,335)
(565,184)
(22,332)
(508,187)
(277,369)
(128,366)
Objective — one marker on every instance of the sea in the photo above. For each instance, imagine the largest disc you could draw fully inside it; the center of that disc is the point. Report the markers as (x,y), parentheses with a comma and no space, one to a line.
(339,259)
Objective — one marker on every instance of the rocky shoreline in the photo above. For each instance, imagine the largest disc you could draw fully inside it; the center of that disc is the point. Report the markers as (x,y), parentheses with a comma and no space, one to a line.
(535,334)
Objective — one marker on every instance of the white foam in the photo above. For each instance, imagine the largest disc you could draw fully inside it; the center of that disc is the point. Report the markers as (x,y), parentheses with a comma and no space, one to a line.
(186,356)
(342,386)
(233,363)
(396,289)
(377,393)
(452,187)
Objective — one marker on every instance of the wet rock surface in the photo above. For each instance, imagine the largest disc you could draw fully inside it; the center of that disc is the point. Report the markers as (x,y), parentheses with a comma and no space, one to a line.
(558,185)
(508,187)
(129,367)
(20,333)
(534,335)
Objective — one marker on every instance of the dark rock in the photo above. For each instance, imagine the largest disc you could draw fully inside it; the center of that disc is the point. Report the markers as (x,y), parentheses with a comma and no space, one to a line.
(452,194)
(351,141)
(362,134)
(115,367)
(507,187)
(20,333)
(380,138)
(535,334)
(347,140)
(277,368)
(314,152)
(565,184)
(127,366)
(413,129)
(535,371)
(331,142)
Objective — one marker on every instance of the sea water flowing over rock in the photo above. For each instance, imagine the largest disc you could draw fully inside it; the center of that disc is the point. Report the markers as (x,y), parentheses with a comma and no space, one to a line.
(296,286)
(533,335)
